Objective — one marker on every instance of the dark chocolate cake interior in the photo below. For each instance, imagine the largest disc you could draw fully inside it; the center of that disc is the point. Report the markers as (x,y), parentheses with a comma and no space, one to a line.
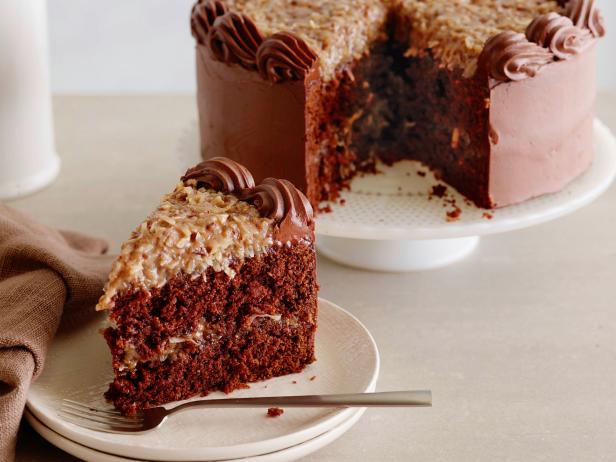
(391,106)
(214,333)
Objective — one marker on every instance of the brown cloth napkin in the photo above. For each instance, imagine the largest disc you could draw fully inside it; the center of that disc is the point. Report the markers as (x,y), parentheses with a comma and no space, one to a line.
(46,276)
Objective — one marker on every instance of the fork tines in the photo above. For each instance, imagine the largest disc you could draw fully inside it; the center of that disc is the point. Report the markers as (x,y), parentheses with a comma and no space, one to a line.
(105,420)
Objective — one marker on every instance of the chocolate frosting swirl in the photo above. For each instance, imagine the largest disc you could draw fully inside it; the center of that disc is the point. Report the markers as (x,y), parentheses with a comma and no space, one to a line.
(558,33)
(584,13)
(283,57)
(510,56)
(221,174)
(202,18)
(281,201)
(234,38)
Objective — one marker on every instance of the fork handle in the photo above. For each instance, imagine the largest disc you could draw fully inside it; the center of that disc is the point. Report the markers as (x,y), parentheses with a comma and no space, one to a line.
(419,398)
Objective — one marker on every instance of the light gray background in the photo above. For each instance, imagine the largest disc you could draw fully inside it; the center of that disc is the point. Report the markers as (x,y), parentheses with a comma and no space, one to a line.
(145,46)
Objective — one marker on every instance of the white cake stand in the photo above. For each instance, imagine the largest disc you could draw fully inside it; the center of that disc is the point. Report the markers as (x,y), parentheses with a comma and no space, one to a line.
(388,222)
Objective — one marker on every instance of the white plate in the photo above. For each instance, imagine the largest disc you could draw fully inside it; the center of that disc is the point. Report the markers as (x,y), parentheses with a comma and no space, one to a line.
(284,455)
(79,367)
(395,205)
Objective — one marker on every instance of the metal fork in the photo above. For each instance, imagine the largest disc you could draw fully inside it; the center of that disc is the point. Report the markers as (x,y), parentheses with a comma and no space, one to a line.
(112,421)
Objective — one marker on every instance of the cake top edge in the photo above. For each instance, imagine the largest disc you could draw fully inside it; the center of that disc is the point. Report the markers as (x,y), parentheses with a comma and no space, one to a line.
(234,38)
(284,39)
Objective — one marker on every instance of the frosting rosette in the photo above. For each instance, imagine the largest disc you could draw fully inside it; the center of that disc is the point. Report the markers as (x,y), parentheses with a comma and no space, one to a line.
(221,174)
(511,56)
(281,201)
(277,199)
(559,35)
(235,38)
(202,18)
(584,13)
(283,57)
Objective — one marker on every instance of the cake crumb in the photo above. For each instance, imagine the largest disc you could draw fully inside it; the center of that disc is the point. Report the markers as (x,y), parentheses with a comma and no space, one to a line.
(454,215)
(313,377)
(487,215)
(439,190)
(275,412)
(294,382)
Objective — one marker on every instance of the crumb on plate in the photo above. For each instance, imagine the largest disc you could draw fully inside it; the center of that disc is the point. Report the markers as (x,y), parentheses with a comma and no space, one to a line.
(275,412)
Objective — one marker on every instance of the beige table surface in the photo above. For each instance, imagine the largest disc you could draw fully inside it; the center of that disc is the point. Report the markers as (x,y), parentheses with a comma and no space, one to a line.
(517,343)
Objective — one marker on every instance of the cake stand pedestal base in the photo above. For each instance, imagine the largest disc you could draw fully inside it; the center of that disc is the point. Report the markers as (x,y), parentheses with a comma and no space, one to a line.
(396,255)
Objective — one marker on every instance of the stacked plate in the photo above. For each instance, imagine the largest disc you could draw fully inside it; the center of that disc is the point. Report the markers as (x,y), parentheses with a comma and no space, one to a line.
(78,368)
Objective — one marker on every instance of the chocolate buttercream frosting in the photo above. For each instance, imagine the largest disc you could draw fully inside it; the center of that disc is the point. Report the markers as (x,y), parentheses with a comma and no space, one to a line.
(202,18)
(511,56)
(584,13)
(281,201)
(221,174)
(235,38)
(283,57)
(559,35)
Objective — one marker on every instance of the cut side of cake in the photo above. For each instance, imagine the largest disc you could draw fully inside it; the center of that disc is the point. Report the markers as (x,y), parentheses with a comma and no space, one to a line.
(496,96)
(215,289)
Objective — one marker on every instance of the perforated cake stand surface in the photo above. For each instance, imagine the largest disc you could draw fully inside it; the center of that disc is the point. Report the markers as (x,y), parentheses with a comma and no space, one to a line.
(392,222)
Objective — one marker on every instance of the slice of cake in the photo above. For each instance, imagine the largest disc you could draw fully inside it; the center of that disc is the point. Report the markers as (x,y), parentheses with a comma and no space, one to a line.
(496,96)
(216,288)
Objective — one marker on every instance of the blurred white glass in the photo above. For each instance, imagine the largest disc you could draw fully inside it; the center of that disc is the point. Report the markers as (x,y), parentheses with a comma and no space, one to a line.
(28,160)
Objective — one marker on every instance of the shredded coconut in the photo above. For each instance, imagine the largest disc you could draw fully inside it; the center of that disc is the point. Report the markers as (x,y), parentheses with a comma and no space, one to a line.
(191,230)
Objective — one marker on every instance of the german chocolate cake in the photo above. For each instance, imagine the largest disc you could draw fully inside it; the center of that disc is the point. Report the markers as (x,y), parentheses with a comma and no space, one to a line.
(216,288)
(496,96)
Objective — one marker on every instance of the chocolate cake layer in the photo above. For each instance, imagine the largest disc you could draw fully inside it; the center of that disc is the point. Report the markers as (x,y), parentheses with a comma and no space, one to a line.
(194,336)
